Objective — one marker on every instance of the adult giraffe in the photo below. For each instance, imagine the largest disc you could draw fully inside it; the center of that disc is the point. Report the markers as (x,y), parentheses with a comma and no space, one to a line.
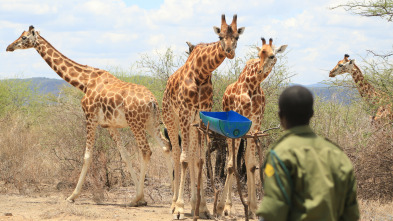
(108,102)
(188,91)
(246,97)
(366,90)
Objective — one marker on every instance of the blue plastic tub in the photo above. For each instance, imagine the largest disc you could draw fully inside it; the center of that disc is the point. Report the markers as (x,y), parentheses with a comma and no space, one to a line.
(229,124)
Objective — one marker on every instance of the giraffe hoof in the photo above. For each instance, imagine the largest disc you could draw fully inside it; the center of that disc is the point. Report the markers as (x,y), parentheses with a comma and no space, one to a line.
(70,200)
(227,210)
(142,203)
(251,215)
(133,204)
(205,215)
(178,216)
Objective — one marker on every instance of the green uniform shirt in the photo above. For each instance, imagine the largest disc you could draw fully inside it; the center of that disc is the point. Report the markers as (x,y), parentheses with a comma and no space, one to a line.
(321,186)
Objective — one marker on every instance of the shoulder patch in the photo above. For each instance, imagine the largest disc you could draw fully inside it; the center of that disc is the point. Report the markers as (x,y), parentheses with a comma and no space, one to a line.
(269,170)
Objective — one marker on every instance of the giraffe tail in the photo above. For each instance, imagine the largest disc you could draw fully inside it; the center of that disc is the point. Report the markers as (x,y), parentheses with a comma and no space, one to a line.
(158,136)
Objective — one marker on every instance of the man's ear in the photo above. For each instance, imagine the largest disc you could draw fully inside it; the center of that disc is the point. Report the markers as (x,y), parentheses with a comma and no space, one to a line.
(281,49)
(241,30)
(217,30)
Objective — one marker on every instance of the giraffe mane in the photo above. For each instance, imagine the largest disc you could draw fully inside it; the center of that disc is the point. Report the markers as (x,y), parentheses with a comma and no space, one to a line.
(73,62)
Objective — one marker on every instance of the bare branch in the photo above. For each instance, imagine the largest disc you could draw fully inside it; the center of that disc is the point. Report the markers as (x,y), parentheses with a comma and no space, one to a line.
(377,8)
(384,56)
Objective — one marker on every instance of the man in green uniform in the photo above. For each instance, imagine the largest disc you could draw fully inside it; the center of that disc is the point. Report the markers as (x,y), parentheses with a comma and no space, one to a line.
(306,177)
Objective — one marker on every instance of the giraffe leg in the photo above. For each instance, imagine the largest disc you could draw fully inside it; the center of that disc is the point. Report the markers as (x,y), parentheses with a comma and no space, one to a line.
(251,165)
(91,130)
(173,130)
(193,166)
(140,136)
(185,159)
(194,157)
(203,211)
(225,204)
(154,131)
(125,155)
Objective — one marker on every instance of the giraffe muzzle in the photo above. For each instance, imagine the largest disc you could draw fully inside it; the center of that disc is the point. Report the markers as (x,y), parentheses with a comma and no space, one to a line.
(230,53)
(10,48)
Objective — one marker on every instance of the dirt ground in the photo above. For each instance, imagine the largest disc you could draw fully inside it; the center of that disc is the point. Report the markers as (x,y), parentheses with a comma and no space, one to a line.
(51,205)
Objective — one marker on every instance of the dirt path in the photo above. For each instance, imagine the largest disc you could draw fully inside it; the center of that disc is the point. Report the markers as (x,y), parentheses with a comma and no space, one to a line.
(54,207)
(51,205)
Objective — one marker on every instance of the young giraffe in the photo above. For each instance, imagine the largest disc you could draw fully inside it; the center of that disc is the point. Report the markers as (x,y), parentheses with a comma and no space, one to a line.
(246,97)
(366,90)
(108,102)
(188,91)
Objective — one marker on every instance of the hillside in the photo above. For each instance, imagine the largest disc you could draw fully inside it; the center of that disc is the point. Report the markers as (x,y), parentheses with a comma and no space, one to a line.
(325,92)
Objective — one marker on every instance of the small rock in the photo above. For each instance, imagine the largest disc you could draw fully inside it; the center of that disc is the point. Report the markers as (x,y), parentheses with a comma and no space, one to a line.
(7,214)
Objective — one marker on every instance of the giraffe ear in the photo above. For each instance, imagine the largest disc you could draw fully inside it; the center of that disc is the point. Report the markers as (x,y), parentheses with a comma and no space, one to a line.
(241,30)
(259,49)
(352,61)
(217,30)
(31,30)
(281,49)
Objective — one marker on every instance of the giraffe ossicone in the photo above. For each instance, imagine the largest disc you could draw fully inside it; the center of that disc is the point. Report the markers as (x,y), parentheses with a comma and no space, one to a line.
(108,102)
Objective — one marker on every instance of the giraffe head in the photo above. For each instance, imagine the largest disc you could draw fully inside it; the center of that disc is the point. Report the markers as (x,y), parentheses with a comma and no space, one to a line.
(267,54)
(26,40)
(228,35)
(344,66)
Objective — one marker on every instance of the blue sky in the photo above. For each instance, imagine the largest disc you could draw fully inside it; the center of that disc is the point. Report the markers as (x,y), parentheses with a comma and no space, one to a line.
(106,33)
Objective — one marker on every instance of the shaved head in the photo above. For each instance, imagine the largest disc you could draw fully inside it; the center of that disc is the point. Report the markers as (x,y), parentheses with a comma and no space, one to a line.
(296,106)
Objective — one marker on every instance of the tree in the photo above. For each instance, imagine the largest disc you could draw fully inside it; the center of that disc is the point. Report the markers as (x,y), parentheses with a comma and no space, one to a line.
(377,8)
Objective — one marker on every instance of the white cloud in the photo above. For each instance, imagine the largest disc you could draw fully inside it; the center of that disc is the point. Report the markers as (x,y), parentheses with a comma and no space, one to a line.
(27,7)
(109,32)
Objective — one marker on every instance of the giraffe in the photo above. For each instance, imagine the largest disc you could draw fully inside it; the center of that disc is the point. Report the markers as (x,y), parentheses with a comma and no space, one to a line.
(246,97)
(188,91)
(108,102)
(372,96)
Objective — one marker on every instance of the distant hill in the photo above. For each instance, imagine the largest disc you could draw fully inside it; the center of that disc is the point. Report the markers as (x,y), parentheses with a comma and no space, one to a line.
(47,85)
(339,94)
(325,92)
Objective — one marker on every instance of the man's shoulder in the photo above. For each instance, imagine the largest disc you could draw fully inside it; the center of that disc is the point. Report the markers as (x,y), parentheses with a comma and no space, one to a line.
(294,141)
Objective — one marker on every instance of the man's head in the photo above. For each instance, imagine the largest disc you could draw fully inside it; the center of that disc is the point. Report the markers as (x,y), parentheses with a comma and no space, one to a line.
(295,107)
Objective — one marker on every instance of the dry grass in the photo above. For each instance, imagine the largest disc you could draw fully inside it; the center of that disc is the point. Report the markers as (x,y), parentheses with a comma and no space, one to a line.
(375,210)
(46,151)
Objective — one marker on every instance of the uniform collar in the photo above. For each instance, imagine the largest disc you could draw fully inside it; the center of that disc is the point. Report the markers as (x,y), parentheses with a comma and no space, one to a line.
(305,129)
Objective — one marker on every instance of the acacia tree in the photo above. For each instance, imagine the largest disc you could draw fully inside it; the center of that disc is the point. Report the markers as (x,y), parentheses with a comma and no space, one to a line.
(377,8)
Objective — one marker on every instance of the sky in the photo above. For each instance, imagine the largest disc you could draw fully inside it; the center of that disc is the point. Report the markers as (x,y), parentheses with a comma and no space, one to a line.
(114,33)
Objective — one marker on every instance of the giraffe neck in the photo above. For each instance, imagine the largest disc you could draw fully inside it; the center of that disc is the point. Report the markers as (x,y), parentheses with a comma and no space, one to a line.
(205,58)
(365,89)
(251,75)
(75,74)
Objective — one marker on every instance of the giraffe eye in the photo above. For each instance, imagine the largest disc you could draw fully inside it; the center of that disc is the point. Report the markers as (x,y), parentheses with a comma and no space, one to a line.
(237,38)
(24,38)
(220,38)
